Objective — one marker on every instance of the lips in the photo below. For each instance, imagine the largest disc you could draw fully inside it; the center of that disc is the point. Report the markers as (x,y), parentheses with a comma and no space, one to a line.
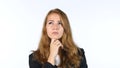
(54,32)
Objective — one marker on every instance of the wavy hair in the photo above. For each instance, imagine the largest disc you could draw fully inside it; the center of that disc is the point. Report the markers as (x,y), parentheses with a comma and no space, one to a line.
(69,54)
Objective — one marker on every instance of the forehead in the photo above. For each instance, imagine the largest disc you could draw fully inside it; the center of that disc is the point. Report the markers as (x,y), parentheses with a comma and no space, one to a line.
(53,16)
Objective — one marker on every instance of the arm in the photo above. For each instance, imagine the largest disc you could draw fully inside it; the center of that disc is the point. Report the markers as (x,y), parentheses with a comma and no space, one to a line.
(36,64)
(54,47)
(83,61)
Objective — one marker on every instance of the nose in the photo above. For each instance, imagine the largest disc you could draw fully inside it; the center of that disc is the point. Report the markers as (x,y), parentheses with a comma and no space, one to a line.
(55,27)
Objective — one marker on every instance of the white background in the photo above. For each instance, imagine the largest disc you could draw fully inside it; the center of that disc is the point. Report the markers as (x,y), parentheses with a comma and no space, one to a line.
(95,26)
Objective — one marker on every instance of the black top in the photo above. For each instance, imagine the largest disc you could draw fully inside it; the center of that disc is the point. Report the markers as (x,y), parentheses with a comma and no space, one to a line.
(36,64)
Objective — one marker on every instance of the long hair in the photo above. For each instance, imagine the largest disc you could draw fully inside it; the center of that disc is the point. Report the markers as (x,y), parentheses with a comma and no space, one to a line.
(69,54)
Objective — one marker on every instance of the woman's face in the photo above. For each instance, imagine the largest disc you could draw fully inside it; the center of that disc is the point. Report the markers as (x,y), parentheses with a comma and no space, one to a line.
(54,26)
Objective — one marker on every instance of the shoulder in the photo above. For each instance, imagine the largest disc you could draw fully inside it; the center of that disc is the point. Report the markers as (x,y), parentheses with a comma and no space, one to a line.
(81,51)
(33,63)
(83,60)
(31,57)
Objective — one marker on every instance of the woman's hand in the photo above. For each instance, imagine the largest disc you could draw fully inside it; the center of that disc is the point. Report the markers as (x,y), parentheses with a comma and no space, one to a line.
(54,48)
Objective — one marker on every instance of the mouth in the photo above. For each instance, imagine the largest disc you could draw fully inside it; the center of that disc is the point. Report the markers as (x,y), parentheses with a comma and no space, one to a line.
(55,33)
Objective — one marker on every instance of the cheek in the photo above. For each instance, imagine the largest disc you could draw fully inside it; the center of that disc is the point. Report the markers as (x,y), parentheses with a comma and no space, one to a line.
(61,31)
(48,31)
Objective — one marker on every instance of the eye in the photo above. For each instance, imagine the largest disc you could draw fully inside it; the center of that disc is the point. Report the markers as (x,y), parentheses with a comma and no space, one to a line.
(59,23)
(50,22)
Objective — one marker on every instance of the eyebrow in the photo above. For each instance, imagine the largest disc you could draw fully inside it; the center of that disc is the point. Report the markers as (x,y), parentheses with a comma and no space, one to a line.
(53,21)
(50,20)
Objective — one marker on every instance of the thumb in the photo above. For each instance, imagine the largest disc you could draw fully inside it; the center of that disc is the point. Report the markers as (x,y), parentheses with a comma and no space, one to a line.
(52,40)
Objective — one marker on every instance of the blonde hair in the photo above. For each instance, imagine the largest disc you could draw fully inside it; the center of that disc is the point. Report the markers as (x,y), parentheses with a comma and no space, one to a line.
(69,55)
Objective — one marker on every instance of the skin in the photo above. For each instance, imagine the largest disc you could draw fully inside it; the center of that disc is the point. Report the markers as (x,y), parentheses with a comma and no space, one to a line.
(54,26)
(54,32)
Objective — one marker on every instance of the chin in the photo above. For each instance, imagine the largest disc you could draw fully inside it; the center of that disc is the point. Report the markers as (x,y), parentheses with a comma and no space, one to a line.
(55,38)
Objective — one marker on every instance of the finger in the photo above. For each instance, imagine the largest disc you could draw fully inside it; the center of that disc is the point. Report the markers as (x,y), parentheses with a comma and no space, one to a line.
(52,40)
(56,42)
(59,45)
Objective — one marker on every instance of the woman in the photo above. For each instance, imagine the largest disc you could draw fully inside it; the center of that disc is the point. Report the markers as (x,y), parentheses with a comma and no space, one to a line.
(57,48)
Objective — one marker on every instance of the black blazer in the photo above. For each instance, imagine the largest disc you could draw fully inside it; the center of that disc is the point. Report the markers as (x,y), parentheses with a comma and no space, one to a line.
(36,64)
